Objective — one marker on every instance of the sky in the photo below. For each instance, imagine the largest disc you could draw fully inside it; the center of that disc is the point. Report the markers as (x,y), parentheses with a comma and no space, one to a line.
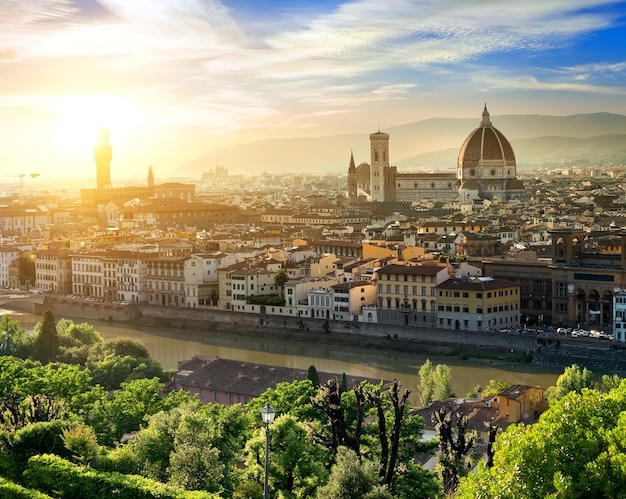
(172,79)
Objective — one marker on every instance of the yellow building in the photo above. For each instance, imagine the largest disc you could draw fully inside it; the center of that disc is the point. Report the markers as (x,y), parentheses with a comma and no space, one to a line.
(478,304)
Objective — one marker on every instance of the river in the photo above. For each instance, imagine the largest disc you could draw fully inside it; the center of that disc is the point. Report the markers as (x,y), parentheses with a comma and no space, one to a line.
(170,345)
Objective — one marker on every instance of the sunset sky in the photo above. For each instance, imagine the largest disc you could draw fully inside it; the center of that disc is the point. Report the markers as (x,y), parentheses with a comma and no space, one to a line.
(173,79)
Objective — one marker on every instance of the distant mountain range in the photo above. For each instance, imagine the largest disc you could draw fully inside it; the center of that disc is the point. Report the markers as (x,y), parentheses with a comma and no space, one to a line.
(433,145)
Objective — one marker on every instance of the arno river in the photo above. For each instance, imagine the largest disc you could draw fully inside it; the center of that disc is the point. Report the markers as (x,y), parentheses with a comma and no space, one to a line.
(171,345)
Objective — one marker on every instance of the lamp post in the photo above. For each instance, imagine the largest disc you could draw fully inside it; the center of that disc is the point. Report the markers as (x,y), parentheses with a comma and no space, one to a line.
(267,415)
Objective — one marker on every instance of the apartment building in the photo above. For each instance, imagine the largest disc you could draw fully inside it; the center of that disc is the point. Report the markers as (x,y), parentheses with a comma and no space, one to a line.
(478,304)
(407,292)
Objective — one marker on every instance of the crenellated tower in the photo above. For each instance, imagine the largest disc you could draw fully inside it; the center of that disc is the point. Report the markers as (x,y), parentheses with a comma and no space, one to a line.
(352,182)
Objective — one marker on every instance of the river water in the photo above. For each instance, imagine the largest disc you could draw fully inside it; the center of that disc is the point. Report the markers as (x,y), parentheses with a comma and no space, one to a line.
(171,345)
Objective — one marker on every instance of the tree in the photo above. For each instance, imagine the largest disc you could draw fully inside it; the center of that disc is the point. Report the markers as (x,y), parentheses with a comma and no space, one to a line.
(442,383)
(81,442)
(351,478)
(573,379)
(313,376)
(84,333)
(46,344)
(329,399)
(454,447)
(389,443)
(435,384)
(426,383)
(12,337)
(280,278)
(576,449)
(297,465)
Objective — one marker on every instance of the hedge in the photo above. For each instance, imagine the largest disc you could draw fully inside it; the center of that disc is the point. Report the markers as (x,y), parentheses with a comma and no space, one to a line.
(61,478)
(15,491)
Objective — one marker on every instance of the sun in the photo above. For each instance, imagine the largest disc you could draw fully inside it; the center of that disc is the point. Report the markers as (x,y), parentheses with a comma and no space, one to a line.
(79,118)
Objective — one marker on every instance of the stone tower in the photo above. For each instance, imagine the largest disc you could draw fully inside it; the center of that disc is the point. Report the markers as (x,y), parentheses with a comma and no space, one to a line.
(379,152)
(352,182)
(102,154)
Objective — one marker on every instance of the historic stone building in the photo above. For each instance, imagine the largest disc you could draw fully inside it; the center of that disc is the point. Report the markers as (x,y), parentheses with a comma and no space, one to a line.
(486,169)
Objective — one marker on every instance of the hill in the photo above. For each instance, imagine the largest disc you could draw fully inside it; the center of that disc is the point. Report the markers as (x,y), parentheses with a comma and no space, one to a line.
(432,144)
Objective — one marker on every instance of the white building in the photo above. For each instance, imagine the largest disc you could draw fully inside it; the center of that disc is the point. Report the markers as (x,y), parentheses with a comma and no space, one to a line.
(619,315)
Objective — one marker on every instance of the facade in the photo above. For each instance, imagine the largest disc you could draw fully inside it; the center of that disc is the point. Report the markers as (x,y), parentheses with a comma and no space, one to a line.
(53,272)
(8,256)
(407,293)
(619,316)
(478,304)
(348,299)
(88,275)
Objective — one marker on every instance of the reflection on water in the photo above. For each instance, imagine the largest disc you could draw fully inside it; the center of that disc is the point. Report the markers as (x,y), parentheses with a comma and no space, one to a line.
(171,345)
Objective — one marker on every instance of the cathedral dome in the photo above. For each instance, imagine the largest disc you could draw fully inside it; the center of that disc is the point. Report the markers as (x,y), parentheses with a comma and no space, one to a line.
(486,145)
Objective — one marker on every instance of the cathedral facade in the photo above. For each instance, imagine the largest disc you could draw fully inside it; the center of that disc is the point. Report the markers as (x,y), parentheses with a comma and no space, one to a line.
(486,169)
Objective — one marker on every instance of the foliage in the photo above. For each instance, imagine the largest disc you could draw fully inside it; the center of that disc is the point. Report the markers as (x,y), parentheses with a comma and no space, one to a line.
(281,277)
(271,300)
(37,438)
(351,478)
(81,442)
(286,398)
(121,347)
(46,344)
(136,400)
(313,376)
(342,432)
(453,459)
(573,379)
(426,382)
(297,464)
(577,449)
(167,435)
(15,491)
(57,476)
(113,370)
(494,387)
(12,337)
(84,333)
(434,384)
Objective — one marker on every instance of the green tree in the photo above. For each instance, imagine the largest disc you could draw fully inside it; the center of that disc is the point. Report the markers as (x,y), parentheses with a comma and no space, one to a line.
(442,383)
(297,465)
(46,343)
(351,478)
(280,278)
(286,398)
(113,370)
(194,463)
(426,382)
(573,379)
(134,402)
(576,449)
(81,442)
(313,376)
(121,347)
(84,333)
(12,337)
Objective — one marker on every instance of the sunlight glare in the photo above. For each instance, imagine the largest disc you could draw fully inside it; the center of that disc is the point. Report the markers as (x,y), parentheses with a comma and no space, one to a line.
(81,116)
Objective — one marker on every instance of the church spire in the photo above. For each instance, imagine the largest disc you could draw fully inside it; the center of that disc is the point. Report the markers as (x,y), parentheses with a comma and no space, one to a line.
(352,167)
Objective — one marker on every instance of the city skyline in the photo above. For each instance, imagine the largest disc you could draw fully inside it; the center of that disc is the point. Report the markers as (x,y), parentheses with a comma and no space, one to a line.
(175,79)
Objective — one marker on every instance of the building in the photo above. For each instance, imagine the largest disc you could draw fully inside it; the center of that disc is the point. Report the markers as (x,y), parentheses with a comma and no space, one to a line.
(478,304)
(486,169)
(348,298)
(229,382)
(407,292)
(619,316)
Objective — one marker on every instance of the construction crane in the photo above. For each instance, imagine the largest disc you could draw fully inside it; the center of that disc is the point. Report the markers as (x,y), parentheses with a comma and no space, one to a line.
(21,177)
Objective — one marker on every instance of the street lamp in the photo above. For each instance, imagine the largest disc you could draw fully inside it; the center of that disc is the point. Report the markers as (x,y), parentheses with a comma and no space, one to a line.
(267,415)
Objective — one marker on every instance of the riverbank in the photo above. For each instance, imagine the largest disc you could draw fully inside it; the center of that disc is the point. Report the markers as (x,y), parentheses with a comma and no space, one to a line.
(550,351)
